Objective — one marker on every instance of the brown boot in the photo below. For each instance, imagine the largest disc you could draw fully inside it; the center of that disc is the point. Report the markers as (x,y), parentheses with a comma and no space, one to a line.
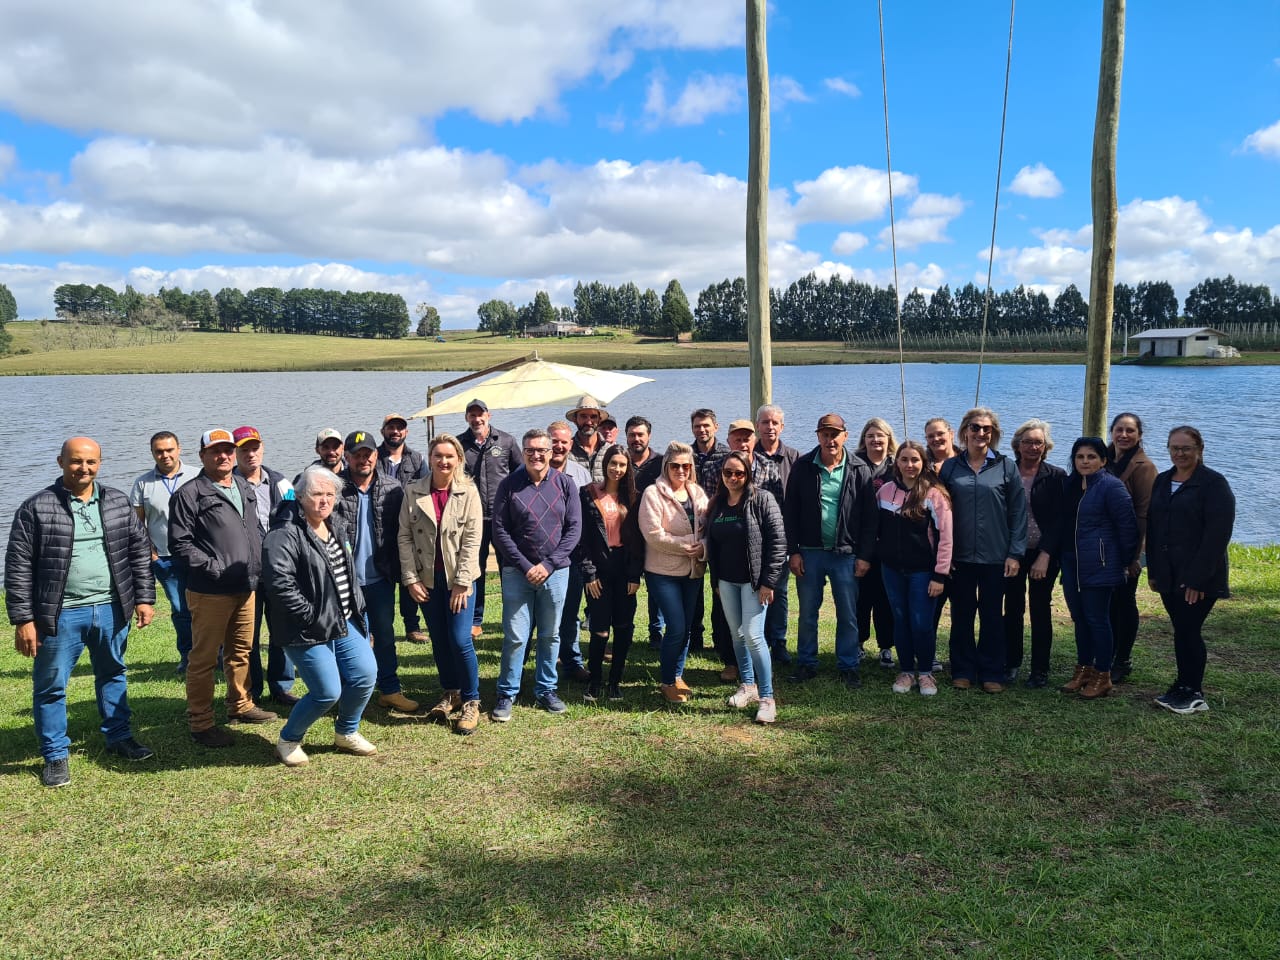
(1078,679)
(1099,685)
(450,701)
(470,718)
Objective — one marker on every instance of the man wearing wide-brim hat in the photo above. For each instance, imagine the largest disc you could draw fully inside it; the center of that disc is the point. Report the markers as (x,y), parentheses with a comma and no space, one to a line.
(588,447)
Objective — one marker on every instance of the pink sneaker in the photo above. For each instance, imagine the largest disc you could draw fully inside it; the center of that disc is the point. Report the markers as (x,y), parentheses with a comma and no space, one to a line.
(928,686)
(767,712)
(904,683)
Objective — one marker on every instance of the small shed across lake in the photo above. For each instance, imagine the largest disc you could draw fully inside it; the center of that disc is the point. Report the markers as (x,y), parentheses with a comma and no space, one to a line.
(1179,342)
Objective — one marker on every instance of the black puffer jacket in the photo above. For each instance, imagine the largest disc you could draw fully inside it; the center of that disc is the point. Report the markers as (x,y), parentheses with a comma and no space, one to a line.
(303,605)
(1188,533)
(220,548)
(385,497)
(489,463)
(413,465)
(39,556)
(592,551)
(766,539)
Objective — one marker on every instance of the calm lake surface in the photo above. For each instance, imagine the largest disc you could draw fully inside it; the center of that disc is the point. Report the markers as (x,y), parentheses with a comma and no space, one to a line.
(1235,407)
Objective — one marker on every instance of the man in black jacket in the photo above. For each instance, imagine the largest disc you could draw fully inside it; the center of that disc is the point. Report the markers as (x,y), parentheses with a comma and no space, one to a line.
(404,465)
(370,510)
(214,535)
(830,513)
(490,456)
(78,567)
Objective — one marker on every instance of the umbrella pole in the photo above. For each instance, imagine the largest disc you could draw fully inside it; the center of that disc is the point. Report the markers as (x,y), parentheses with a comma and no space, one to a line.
(496,368)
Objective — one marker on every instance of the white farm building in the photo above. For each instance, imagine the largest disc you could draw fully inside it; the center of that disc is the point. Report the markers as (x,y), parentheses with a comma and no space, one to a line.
(1181,342)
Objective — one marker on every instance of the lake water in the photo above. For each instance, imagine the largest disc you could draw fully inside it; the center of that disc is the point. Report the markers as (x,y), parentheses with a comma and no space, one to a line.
(1235,408)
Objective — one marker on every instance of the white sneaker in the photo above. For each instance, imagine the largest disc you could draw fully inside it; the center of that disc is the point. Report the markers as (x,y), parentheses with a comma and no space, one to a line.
(291,753)
(767,712)
(354,743)
(904,683)
(748,693)
(928,686)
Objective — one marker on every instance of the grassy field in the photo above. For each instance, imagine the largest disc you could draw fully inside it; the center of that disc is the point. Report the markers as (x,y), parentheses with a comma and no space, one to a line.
(463,350)
(863,825)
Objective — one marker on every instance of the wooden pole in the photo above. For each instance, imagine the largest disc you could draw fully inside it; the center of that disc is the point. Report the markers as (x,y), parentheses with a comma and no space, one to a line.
(1106,124)
(758,343)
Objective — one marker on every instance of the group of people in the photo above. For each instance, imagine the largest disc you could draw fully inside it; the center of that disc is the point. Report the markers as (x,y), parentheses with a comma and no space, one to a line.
(573,512)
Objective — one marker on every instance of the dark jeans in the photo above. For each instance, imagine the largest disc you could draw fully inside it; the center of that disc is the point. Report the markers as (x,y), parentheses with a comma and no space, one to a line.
(917,637)
(1091,612)
(486,537)
(409,610)
(380,608)
(873,607)
(1188,641)
(977,594)
(451,643)
(1016,590)
(173,581)
(614,609)
(775,618)
(570,651)
(677,597)
(721,638)
(1124,619)
(279,675)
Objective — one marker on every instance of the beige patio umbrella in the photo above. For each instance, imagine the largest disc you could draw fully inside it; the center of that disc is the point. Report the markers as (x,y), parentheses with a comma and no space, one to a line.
(530,382)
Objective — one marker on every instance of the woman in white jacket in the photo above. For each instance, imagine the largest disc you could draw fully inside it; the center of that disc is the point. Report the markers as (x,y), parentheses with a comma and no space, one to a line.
(670,517)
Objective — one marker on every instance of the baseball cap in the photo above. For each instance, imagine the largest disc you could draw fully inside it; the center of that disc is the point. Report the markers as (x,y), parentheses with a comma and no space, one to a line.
(477,402)
(328,433)
(244,434)
(831,421)
(395,416)
(216,435)
(359,440)
(743,424)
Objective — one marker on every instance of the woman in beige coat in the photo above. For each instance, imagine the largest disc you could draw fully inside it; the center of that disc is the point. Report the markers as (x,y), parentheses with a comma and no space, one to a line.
(670,517)
(440,528)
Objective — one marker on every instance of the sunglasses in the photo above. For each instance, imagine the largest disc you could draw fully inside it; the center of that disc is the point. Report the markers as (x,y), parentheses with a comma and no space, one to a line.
(733,474)
(680,466)
(980,428)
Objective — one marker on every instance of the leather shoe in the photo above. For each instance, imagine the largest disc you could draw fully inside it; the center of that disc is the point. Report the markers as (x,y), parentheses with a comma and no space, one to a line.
(961,683)
(476,631)
(802,674)
(284,698)
(130,749)
(253,715)
(581,674)
(213,737)
(730,673)
(992,687)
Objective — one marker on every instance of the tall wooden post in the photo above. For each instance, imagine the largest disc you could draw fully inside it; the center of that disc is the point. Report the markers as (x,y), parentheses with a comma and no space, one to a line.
(758,343)
(1106,124)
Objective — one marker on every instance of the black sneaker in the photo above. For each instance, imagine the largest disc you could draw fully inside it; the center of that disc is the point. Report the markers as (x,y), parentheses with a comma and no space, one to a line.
(1121,670)
(56,773)
(1185,702)
(130,749)
(802,674)
(1011,676)
(592,693)
(615,692)
(213,737)
(886,658)
(1169,695)
(1036,680)
(937,665)
(852,679)
(551,703)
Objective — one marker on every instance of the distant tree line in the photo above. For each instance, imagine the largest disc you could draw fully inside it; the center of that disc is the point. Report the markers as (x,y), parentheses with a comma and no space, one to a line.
(8,312)
(596,304)
(265,309)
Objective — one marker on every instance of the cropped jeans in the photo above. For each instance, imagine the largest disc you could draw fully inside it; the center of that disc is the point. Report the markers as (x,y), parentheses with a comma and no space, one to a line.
(746,616)
(102,628)
(525,608)
(341,671)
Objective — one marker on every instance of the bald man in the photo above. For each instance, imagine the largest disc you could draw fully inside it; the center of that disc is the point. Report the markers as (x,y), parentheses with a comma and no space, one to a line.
(77,570)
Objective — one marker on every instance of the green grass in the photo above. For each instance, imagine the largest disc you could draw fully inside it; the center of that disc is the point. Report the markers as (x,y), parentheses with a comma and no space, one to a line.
(863,825)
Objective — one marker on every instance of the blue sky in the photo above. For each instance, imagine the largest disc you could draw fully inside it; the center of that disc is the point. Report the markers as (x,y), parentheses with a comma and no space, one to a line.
(474,150)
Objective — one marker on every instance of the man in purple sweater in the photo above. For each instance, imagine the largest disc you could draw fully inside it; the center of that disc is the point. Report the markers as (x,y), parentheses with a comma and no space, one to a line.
(537,519)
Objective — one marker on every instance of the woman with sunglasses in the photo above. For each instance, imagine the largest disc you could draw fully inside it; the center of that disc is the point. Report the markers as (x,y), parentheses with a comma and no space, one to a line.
(989,519)
(671,518)
(611,560)
(746,547)
(1129,462)
(1189,526)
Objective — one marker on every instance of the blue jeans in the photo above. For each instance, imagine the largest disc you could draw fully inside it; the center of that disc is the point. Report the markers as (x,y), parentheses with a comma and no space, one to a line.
(525,607)
(102,629)
(451,644)
(821,566)
(977,593)
(570,649)
(746,616)
(174,583)
(408,610)
(1091,612)
(775,620)
(380,608)
(677,597)
(340,671)
(913,631)
(656,623)
(279,675)
(486,538)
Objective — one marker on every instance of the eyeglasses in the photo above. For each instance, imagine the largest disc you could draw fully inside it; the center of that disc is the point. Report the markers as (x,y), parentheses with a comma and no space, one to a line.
(536,451)
(980,428)
(733,474)
(1180,451)
(82,511)
(1024,442)
(679,466)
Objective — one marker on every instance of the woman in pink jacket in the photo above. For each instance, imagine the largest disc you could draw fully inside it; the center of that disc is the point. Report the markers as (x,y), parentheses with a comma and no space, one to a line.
(670,517)
(914,547)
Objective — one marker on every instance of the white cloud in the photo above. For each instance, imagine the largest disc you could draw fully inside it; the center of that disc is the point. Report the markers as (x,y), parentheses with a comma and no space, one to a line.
(850,194)
(342,76)
(703,95)
(1037,181)
(1265,141)
(8,159)
(847,243)
(784,90)
(842,86)
(936,205)
(926,221)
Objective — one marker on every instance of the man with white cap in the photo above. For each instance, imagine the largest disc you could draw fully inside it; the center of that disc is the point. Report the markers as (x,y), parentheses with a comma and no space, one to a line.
(588,446)
(490,455)
(214,535)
